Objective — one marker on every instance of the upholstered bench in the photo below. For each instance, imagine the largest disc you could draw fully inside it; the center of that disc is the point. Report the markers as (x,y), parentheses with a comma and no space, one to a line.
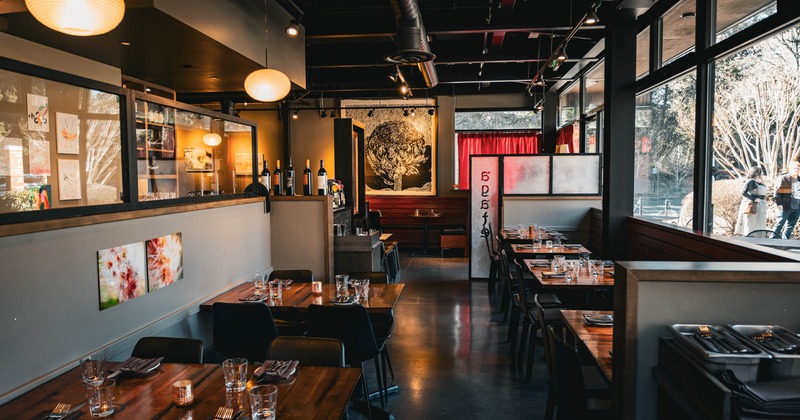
(453,237)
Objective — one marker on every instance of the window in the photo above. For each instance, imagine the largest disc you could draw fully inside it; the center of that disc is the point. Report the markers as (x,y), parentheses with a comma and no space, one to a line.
(679,31)
(735,15)
(569,105)
(493,132)
(643,53)
(755,125)
(595,89)
(664,155)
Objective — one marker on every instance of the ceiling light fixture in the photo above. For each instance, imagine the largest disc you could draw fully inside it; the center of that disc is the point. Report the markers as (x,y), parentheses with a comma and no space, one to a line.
(296,114)
(78,17)
(562,55)
(293,29)
(405,112)
(324,114)
(394,75)
(591,17)
(371,113)
(431,111)
(212,139)
(687,15)
(267,85)
(333,113)
(413,112)
(404,89)
(539,106)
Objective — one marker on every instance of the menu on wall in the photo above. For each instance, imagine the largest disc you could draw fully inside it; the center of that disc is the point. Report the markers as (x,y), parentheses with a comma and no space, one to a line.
(484,209)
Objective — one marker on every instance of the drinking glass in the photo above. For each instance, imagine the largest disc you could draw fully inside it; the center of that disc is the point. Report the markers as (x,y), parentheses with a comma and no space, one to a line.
(557,242)
(235,373)
(92,369)
(584,258)
(537,243)
(263,400)
(101,398)
(341,285)
(258,283)
(573,268)
(275,289)
(549,244)
(599,266)
(557,264)
(591,268)
(361,288)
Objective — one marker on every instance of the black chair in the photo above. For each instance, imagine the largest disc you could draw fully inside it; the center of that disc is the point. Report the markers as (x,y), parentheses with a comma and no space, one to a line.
(494,258)
(761,233)
(351,325)
(299,276)
(309,351)
(382,324)
(172,349)
(568,386)
(243,330)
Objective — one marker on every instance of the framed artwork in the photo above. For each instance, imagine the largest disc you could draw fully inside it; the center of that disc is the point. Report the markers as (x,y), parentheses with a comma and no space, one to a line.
(39,157)
(164,261)
(197,159)
(69,179)
(121,274)
(399,150)
(67,130)
(243,163)
(38,113)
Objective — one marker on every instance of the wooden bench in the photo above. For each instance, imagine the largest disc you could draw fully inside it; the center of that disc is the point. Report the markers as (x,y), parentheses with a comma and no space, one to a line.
(453,238)
(396,216)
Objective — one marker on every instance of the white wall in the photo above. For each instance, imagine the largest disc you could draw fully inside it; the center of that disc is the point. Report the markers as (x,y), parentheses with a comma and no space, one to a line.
(567,215)
(49,309)
(299,233)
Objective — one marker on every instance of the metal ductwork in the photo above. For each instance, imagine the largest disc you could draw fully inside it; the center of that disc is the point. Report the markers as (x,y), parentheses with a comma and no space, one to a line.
(412,41)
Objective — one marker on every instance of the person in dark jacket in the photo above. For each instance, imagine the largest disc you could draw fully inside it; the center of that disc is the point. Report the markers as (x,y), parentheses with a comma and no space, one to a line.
(787,197)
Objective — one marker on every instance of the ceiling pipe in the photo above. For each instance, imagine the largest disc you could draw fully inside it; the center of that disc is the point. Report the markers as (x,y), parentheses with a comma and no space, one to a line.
(408,10)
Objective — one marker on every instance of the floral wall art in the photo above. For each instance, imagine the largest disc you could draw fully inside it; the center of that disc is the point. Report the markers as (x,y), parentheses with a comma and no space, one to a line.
(122,275)
(38,113)
(67,130)
(164,261)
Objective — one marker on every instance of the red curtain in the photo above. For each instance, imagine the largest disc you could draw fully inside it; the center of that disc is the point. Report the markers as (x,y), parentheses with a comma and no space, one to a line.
(493,143)
(566,135)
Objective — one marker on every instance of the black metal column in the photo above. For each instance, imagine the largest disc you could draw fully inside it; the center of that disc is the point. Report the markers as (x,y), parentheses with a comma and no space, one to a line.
(703,208)
(549,122)
(619,134)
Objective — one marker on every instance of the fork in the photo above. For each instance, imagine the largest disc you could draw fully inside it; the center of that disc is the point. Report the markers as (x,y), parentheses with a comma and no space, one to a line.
(224,413)
(60,411)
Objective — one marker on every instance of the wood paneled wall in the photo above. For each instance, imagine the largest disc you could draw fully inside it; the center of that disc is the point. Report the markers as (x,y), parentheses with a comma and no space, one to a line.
(595,231)
(396,217)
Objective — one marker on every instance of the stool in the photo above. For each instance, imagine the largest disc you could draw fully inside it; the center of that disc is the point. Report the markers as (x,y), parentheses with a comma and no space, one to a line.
(453,237)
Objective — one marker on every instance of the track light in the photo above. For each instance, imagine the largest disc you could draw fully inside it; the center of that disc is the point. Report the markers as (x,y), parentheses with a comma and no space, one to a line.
(430,111)
(591,17)
(394,75)
(555,65)
(333,113)
(413,112)
(293,29)
(405,112)
(324,114)
(404,89)
(296,114)
(371,113)
(539,105)
(562,55)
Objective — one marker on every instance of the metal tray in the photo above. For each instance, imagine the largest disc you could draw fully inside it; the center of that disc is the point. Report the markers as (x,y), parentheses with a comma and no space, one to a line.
(784,364)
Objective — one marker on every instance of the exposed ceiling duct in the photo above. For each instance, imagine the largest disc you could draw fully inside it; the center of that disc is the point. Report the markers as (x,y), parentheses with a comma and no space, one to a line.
(412,41)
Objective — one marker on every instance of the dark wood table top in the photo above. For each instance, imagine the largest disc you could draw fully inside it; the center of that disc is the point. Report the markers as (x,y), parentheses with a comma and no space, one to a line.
(598,340)
(382,297)
(512,237)
(527,249)
(426,215)
(318,392)
(585,280)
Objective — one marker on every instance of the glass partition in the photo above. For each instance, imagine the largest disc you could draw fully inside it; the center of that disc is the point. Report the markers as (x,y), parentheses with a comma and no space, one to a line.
(569,105)
(60,145)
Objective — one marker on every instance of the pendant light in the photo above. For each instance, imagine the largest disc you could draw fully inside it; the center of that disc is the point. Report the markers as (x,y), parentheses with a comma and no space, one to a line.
(78,17)
(212,139)
(267,85)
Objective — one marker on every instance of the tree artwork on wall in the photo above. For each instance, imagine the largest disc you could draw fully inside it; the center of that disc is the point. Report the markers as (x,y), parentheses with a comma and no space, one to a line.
(399,146)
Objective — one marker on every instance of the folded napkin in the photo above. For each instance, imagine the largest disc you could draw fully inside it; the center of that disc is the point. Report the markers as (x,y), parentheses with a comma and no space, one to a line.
(135,366)
(772,399)
(254,298)
(599,320)
(262,375)
(524,246)
(44,415)
(343,300)
(540,263)
(572,246)
(550,274)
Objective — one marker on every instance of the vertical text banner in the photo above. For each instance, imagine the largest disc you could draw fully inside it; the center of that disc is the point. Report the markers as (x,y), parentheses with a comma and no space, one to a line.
(484,194)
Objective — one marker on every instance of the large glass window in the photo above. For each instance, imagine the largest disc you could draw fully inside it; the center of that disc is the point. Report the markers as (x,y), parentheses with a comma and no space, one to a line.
(498,120)
(664,155)
(643,53)
(595,89)
(756,125)
(735,15)
(679,31)
(569,105)
(60,145)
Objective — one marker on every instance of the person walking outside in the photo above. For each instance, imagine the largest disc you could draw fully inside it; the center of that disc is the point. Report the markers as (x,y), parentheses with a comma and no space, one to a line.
(753,209)
(787,197)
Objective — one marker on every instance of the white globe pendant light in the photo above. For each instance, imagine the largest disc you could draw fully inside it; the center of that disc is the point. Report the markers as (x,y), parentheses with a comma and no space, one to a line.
(267,85)
(78,17)
(212,139)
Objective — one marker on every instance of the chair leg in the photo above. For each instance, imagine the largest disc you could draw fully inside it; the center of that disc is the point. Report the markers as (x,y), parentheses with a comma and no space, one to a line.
(551,404)
(381,388)
(531,350)
(388,360)
(505,301)
(385,378)
(523,342)
(492,276)
(513,331)
(365,390)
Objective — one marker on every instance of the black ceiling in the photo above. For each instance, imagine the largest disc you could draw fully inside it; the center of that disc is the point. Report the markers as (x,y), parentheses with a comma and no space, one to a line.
(481,46)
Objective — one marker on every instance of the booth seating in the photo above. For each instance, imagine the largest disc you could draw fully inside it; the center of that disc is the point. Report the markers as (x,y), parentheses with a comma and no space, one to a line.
(453,237)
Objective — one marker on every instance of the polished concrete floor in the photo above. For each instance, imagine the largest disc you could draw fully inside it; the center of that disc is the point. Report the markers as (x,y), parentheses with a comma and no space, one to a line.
(449,350)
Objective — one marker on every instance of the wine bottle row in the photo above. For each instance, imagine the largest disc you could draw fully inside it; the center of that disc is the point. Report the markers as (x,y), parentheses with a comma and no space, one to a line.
(282,182)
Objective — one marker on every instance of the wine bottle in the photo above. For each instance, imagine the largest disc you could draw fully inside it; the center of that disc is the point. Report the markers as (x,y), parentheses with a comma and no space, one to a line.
(307,182)
(265,177)
(277,180)
(289,175)
(322,179)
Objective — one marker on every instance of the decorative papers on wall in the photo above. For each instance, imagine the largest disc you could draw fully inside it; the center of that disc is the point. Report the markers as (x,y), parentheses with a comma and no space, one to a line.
(130,271)
(67,133)
(164,261)
(121,274)
(38,113)
(69,179)
(39,157)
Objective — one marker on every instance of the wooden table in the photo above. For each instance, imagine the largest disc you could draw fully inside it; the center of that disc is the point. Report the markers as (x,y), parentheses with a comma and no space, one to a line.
(386,236)
(527,250)
(425,217)
(585,280)
(297,298)
(318,392)
(598,340)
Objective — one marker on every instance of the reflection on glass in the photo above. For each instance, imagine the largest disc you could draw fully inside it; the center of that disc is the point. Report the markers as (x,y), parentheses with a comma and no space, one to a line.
(664,155)
(498,120)
(568,105)
(679,31)
(736,15)
(643,53)
(593,97)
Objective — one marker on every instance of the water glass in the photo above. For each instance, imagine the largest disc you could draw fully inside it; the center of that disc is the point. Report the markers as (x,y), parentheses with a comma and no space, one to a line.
(259,283)
(361,288)
(93,369)
(557,265)
(101,398)
(235,373)
(537,243)
(549,244)
(275,289)
(573,268)
(591,268)
(584,257)
(341,285)
(263,401)
(599,266)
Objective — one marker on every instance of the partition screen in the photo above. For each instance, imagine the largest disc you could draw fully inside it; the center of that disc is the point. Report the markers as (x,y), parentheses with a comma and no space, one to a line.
(484,205)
